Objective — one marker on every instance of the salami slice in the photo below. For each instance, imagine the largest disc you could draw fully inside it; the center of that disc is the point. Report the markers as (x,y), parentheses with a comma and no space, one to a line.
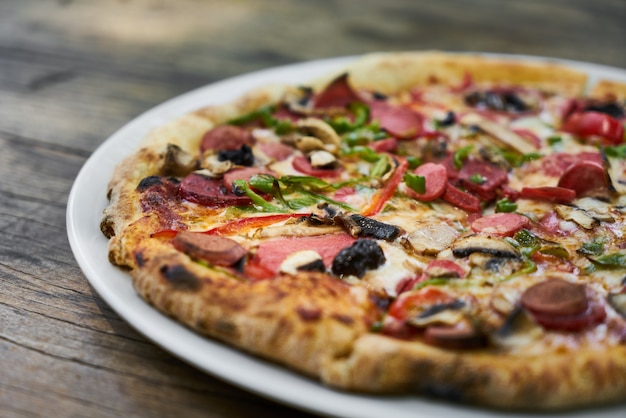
(337,94)
(585,178)
(482,178)
(436,180)
(226,137)
(209,192)
(500,224)
(461,199)
(400,122)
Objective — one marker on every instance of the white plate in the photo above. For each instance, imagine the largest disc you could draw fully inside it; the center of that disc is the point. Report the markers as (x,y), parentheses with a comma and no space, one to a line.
(88,198)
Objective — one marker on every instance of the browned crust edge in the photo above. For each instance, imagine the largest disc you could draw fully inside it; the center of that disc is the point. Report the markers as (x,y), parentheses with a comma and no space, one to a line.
(336,346)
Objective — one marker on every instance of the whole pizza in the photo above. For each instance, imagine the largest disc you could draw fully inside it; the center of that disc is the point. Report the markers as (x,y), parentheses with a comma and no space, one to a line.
(441,224)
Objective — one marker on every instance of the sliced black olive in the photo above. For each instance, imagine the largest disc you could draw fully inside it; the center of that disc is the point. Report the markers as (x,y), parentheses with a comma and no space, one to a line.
(357,259)
(242,156)
(448,120)
(317,265)
(611,109)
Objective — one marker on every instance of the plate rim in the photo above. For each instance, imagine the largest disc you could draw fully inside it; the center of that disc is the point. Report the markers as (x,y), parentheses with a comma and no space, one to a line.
(86,242)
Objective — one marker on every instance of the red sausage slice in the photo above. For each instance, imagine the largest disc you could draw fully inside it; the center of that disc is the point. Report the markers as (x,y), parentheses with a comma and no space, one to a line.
(275,150)
(400,122)
(548,194)
(461,199)
(226,137)
(555,164)
(593,315)
(555,297)
(460,336)
(385,145)
(241,174)
(491,176)
(500,224)
(215,249)
(585,178)
(209,192)
(436,179)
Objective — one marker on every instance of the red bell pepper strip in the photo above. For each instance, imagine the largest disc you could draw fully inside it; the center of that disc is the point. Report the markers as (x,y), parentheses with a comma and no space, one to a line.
(383,195)
(245,224)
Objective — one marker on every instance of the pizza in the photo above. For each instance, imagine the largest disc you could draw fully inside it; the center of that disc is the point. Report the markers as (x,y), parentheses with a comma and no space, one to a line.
(439,224)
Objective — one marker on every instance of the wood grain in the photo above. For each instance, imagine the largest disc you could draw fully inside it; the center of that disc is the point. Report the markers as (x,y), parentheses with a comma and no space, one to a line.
(73,72)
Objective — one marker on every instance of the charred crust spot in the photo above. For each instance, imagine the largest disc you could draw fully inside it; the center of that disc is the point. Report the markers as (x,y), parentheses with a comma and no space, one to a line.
(148,182)
(309,314)
(444,391)
(139,259)
(180,278)
(106,226)
(344,319)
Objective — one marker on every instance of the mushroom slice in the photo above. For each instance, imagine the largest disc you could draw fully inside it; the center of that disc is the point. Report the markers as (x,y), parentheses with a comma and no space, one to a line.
(597,209)
(480,244)
(309,143)
(504,135)
(305,260)
(577,215)
(177,162)
(321,130)
(432,239)
(321,159)
(441,314)
(213,167)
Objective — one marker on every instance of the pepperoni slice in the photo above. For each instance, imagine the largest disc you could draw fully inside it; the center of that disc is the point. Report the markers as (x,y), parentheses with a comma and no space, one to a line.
(585,178)
(303,165)
(385,145)
(209,192)
(548,194)
(338,93)
(436,179)
(215,249)
(593,315)
(275,150)
(500,224)
(461,199)
(489,176)
(555,164)
(226,137)
(400,122)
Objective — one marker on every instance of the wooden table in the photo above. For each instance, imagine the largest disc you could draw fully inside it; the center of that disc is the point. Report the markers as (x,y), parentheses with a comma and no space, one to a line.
(73,72)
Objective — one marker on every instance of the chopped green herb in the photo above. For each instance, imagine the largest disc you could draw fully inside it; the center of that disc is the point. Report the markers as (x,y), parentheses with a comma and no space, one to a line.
(461,155)
(415,182)
(342,124)
(414,162)
(555,140)
(516,159)
(526,238)
(363,152)
(554,249)
(280,126)
(478,179)
(380,167)
(614,260)
(618,151)
(594,247)
(504,205)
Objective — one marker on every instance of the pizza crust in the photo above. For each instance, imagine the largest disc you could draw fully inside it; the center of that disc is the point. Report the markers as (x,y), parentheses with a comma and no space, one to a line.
(320,326)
